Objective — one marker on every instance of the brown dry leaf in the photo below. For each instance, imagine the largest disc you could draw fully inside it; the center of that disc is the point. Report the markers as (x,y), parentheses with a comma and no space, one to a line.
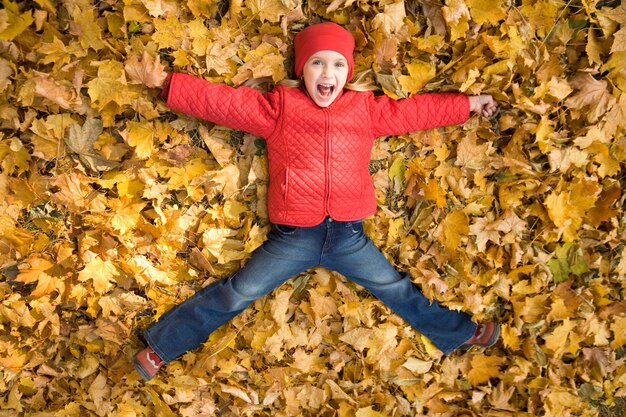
(592,95)
(391,20)
(147,71)
(473,155)
(81,140)
(60,93)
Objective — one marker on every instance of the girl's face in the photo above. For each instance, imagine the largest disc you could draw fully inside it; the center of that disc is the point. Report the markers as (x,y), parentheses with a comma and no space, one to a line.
(325,74)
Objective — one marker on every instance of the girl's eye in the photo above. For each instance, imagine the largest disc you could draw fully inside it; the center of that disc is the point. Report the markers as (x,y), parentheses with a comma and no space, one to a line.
(316,62)
(340,64)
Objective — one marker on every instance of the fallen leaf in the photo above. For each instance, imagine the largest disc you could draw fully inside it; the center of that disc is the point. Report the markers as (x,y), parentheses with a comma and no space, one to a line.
(148,71)
(483,368)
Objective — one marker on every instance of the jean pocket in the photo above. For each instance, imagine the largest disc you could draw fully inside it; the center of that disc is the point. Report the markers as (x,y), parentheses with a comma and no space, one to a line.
(284,229)
(355,226)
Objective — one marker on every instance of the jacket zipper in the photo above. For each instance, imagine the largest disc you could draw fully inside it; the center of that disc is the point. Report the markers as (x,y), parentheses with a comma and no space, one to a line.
(327,173)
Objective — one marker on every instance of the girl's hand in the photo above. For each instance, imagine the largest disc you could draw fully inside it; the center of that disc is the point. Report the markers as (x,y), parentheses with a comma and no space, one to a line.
(483,105)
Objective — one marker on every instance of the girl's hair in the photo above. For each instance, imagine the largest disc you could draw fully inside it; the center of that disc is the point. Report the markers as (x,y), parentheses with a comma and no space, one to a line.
(362,82)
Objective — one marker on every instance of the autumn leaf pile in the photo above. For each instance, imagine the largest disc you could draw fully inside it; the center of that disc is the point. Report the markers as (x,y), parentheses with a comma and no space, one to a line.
(114,209)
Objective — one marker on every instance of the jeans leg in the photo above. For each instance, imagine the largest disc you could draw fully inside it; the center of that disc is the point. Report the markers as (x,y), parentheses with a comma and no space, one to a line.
(188,325)
(356,257)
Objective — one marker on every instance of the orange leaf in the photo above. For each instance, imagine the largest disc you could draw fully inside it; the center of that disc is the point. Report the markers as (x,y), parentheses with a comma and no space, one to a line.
(483,368)
(453,228)
(33,268)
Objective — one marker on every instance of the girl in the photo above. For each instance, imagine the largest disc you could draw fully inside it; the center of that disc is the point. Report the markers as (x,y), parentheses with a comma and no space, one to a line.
(319,138)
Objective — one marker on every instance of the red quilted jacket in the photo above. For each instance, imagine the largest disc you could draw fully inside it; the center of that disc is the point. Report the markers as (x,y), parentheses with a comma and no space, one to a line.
(318,157)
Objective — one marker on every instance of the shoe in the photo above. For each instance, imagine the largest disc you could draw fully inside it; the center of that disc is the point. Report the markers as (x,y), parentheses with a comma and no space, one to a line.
(147,363)
(486,335)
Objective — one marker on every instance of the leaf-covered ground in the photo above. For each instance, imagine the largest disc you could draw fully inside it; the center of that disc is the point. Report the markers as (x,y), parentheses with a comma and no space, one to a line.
(114,209)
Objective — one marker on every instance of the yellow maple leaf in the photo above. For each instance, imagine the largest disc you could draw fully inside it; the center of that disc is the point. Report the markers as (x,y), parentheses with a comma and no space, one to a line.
(531,309)
(485,231)
(368,412)
(357,338)
(102,273)
(126,214)
(140,135)
(228,180)
(560,400)
(559,341)
(169,32)
(567,208)
(540,16)
(33,268)
(453,228)
(90,32)
(420,73)
(217,140)
(323,306)
(13,237)
(618,327)
(158,8)
(222,244)
(457,15)
(76,194)
(418,366)
(14,156)
(15,22)
(511,337)
(433,192)
(607,165)
(263,61)
(486,11)
(218,57)
(49,134)
(109,86)
(483,368)
(270,10)
(15,360)
(58,53)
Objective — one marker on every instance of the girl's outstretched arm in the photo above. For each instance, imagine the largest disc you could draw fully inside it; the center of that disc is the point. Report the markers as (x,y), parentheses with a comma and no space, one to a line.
(240,108)
(419,112)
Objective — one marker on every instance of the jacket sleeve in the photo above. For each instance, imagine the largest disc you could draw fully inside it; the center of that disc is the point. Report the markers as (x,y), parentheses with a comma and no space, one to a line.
(240,108)
(419,112)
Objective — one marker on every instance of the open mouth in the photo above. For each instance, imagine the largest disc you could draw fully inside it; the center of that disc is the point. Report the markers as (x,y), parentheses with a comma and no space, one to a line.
(325,90)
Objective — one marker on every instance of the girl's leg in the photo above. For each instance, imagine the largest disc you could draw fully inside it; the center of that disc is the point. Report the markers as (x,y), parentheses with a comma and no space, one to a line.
(188,325)
(356,257)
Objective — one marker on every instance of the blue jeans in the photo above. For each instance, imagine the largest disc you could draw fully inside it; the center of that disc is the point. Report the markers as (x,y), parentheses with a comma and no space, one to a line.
(288,251)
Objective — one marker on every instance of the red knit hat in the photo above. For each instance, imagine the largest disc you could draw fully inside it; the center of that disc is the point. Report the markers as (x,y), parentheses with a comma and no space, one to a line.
(320,37)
